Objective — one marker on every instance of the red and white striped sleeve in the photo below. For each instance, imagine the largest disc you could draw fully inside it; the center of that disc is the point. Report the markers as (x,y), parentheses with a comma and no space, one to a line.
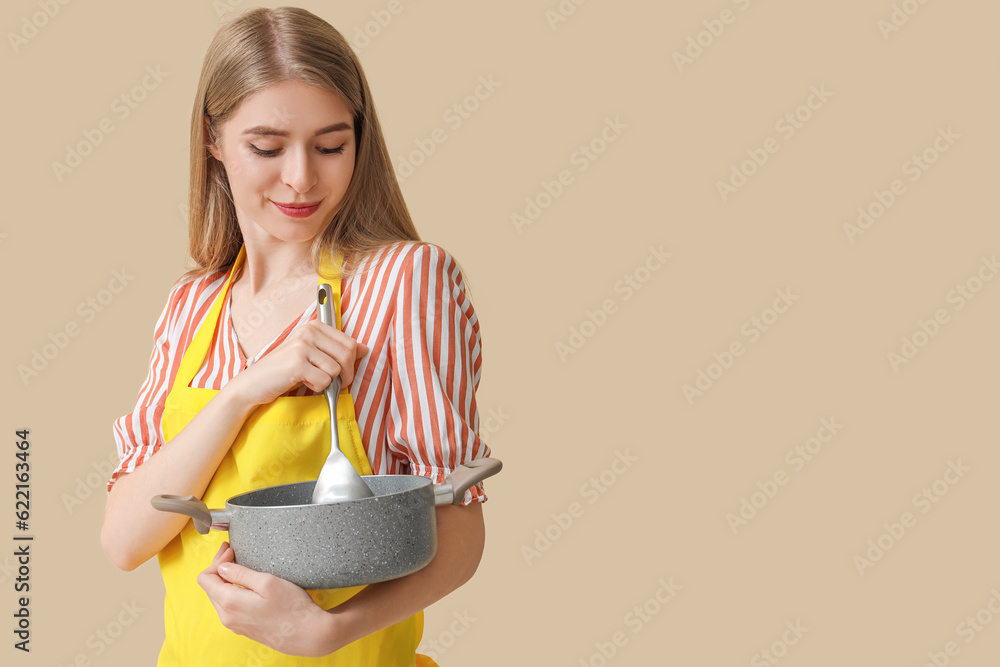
(435,357)
(139,434)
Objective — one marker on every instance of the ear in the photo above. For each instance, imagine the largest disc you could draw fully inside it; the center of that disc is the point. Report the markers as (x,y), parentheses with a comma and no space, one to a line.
(210,139)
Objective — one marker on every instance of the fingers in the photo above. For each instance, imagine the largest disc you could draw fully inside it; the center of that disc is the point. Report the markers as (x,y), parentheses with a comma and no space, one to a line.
(232,603)
(243,576)
(217,579)
(225,568)
(219,557)
(209,578)
(334,353)
(313,355)
(350,364)
(321,369)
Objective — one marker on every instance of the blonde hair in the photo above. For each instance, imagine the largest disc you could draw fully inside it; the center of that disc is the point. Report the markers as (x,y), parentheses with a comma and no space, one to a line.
(261,47)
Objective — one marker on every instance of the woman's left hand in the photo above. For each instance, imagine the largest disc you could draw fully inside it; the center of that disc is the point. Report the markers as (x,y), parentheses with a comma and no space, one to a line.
(267,609)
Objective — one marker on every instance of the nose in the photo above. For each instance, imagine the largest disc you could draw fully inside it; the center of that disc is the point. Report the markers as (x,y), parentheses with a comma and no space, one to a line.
(298,171)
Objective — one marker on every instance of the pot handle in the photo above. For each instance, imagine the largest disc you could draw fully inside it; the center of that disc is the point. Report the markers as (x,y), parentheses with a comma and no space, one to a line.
(204,518)
(452,490)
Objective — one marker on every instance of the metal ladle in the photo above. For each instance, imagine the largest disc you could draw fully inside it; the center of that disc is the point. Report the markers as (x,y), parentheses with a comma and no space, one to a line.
(338,480)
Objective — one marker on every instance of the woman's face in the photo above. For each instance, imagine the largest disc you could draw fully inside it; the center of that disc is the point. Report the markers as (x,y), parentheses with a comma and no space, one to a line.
(290,143)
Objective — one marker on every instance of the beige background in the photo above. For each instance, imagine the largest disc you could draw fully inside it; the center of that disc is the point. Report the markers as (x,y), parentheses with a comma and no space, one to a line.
(663,518)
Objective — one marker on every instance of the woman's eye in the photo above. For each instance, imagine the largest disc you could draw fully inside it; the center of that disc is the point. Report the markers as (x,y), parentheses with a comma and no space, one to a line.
(262,152)
(272,153)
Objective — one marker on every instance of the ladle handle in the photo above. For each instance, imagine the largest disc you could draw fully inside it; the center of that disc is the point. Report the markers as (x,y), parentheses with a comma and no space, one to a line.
(324,301)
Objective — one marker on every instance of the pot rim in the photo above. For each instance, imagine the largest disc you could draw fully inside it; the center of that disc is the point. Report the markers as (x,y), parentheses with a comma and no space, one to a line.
(420,482)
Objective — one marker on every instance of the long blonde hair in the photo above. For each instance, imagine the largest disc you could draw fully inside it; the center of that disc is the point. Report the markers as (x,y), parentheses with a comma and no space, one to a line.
(265,46)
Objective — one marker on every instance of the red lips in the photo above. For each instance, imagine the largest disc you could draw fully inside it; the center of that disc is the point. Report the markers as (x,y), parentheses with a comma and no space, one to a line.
(293,210)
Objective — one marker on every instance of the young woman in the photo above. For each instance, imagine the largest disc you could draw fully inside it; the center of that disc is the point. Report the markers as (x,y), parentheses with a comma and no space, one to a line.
(291,185)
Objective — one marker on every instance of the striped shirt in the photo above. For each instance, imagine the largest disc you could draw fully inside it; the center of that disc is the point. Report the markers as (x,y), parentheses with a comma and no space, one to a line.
(414,392)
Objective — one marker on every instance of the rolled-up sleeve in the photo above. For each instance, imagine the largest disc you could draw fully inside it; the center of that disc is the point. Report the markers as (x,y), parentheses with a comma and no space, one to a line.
(139,434)
(435,354)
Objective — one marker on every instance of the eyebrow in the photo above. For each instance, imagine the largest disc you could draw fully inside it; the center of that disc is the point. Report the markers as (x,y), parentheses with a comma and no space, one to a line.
(263,130)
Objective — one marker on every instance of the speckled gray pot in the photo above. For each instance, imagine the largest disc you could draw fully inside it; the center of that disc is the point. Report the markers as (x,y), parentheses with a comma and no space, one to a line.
(277,530)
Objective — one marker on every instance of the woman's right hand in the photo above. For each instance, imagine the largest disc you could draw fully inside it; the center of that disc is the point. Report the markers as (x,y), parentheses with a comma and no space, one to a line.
(312,355)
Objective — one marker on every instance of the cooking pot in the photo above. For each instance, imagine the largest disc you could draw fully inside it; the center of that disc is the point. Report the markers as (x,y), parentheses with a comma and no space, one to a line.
(278,530)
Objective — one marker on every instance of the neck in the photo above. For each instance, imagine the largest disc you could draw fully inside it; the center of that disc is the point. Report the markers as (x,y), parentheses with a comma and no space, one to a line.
(269,264)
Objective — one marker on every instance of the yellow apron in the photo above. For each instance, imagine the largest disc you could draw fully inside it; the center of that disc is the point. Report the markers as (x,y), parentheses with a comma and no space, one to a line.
(282,442)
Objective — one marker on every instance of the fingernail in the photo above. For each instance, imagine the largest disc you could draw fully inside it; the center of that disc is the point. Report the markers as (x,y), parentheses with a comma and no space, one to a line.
(223,569)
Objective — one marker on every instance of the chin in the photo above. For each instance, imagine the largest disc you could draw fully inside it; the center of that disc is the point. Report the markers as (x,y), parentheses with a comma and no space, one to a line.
(293,231)
(297,236)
